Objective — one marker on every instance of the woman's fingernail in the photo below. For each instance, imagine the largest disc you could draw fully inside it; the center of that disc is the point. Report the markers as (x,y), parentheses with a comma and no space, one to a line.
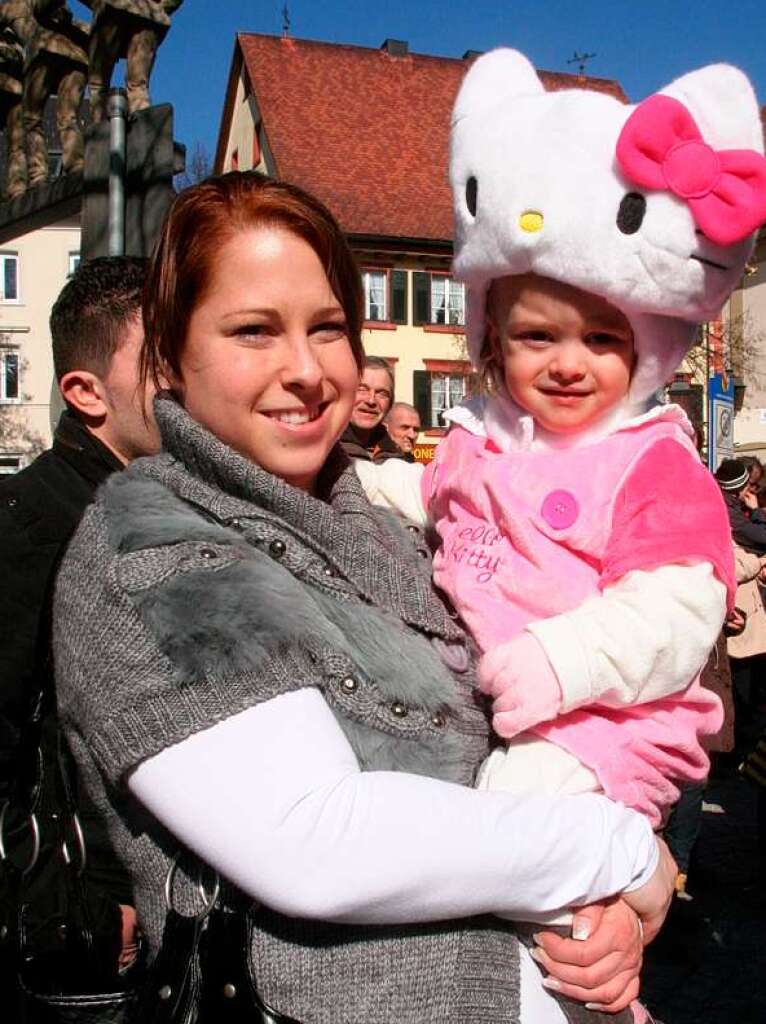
(553,983)
(537,954)
(580,929)
(593,1006)
(537,938)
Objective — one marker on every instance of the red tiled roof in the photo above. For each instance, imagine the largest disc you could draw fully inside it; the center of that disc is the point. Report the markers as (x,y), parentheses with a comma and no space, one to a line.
(365,131)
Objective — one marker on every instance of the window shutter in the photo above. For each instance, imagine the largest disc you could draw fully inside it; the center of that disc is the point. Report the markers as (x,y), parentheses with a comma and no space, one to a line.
(421,390)
(421,290)
(398,296)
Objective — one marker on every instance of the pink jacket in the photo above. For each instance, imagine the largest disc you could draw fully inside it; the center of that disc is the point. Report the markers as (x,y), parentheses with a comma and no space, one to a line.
(532,534)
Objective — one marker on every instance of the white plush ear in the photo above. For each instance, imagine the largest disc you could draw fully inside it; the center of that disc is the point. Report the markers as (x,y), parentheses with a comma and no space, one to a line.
(722,102)
(494,77)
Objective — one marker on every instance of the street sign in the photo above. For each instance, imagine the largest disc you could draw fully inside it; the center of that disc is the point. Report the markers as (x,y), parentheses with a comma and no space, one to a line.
(720,420)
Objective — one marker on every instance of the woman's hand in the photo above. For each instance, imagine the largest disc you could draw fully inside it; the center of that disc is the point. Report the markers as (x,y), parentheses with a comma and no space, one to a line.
(652,900)
(601,970)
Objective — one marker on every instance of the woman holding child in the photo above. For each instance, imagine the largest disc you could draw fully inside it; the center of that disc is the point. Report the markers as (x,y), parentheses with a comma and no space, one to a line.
(253,667)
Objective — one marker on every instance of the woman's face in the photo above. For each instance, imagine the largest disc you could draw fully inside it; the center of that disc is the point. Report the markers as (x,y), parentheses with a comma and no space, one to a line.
(267,366)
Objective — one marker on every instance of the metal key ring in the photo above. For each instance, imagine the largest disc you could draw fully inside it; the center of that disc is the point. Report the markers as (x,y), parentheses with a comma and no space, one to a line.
(34,828)
(208,902)
(79,836)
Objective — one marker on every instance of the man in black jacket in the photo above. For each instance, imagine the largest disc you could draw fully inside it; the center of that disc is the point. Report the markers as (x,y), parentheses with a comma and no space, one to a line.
(97,333)
(748,526)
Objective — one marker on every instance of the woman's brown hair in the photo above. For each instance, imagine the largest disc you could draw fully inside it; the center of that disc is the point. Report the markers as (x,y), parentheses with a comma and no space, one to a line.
(200,222)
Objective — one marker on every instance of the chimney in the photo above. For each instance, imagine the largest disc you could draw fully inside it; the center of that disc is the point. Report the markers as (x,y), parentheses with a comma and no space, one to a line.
(396,47)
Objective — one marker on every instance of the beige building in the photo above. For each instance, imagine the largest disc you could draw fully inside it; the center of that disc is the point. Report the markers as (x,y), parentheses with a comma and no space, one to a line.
(367,132)
(748,307)
(33,269)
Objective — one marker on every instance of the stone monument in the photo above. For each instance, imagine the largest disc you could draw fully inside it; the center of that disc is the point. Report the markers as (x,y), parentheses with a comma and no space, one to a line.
(55,62)
(132,29)
(11,88)
(120,178)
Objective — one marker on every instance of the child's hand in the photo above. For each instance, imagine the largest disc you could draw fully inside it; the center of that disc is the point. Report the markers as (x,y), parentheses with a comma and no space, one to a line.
(520,679)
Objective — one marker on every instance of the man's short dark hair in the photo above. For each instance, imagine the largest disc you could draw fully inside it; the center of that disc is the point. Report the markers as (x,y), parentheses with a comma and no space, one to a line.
(93,309)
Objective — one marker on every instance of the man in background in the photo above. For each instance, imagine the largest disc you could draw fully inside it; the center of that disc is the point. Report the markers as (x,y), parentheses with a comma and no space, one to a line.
(403,426)
(97,335)
(366,437)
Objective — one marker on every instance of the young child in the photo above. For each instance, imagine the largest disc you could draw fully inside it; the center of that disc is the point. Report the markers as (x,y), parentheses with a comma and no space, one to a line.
(582,542)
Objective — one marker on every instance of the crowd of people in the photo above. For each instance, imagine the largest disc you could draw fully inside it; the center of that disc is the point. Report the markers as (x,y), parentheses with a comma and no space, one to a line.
(328,736)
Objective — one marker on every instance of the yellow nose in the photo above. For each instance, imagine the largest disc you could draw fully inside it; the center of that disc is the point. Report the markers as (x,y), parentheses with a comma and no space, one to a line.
(531,221)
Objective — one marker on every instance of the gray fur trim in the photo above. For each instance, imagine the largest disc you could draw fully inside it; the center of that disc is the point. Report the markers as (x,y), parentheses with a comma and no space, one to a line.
(220,607)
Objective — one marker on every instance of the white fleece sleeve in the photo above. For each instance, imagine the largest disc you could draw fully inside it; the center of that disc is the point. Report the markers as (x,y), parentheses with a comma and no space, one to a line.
(645,637)
(273,798)
(394,484)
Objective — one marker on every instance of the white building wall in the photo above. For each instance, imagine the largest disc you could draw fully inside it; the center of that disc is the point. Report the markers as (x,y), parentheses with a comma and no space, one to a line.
(44,256)
(750,423)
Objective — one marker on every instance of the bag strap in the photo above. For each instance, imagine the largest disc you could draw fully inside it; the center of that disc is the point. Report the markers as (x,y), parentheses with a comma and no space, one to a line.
(203,971)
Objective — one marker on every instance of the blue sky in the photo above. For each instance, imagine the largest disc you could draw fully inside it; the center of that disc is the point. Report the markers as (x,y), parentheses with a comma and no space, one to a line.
(642,43)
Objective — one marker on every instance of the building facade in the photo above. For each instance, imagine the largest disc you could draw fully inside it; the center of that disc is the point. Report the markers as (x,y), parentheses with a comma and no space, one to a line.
(33,270)
(747,311)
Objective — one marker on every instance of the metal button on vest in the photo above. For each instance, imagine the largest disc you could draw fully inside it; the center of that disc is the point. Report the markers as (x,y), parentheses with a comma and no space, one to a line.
(454,656)
(349,685)
(165,992)
(277,548)
(229,990)
(235,523)
(560,509)
(208,553)
(438,720)
(399,709)
(329,571)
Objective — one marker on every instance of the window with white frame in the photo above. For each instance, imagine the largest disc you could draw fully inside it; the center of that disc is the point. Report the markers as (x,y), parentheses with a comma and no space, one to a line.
(375,295)
(447,391)
(436,391)
(447,301)
(9,277)
(9,375)
(438,300)
(73,263)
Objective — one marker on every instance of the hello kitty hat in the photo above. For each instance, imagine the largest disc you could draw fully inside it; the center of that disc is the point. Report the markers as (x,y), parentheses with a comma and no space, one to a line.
(655,206)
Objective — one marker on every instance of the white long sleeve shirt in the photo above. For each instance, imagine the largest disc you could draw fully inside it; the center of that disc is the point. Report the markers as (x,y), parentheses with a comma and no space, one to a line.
(298,826)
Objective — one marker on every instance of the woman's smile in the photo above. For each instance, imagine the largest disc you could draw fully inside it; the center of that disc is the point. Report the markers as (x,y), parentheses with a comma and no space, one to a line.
(268,365)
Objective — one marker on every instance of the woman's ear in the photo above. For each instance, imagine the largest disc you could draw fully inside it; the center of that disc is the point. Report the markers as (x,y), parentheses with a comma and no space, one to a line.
(168,380)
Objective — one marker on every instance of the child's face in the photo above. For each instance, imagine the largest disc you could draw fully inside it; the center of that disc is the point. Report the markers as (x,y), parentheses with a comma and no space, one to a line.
(566,356)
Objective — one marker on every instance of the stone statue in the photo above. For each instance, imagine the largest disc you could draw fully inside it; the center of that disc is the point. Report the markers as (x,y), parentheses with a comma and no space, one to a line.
(55,63)
(125,28)
(11,88)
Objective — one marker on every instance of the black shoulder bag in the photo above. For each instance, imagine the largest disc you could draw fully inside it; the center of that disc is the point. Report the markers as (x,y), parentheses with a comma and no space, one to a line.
(59,937)
(203,972)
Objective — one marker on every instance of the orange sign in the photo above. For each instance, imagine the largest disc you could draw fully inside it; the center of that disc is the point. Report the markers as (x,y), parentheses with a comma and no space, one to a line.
(424,452)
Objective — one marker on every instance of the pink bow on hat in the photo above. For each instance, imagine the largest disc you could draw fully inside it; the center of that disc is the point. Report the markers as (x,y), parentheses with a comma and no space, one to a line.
(661,147)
